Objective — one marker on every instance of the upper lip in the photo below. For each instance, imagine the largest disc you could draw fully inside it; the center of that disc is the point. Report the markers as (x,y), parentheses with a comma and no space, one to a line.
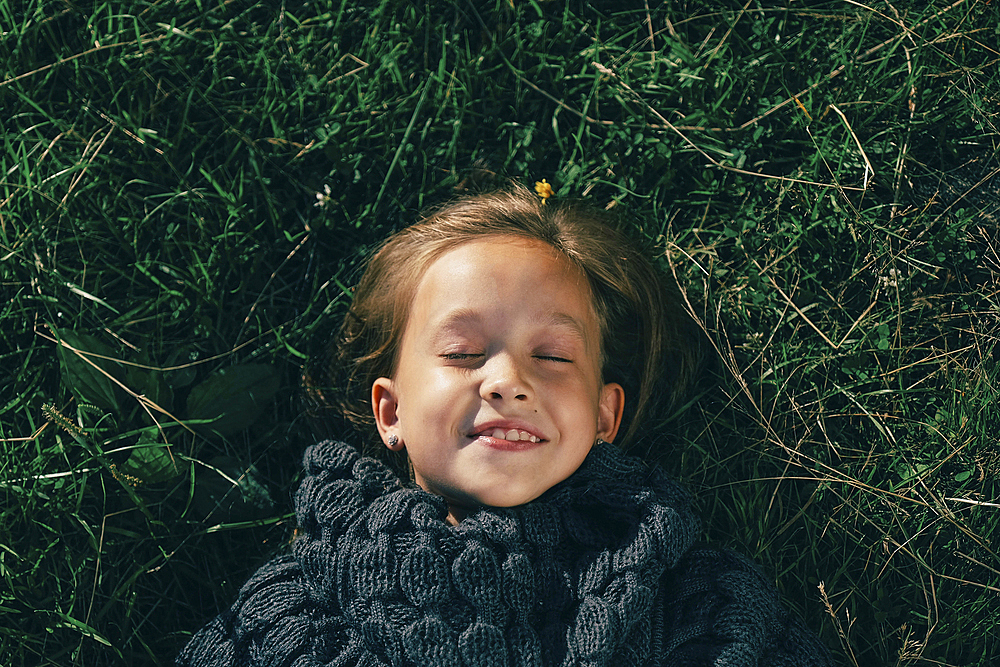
(506,425)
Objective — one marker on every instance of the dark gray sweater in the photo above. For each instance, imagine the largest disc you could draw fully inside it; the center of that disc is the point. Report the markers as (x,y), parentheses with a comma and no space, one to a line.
(600,570)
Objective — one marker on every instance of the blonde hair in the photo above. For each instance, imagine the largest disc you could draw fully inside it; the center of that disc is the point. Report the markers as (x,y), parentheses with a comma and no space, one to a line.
(647,344)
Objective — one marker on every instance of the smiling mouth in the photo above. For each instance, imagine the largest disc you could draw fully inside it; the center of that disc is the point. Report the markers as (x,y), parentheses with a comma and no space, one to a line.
(511,440)
(513,435)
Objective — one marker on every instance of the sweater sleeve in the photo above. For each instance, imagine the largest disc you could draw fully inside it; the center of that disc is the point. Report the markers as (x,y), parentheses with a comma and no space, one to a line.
(265,603)
(718,609)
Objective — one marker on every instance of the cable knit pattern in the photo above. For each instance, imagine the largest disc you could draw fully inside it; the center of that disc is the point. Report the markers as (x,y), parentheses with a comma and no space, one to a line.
(598,571)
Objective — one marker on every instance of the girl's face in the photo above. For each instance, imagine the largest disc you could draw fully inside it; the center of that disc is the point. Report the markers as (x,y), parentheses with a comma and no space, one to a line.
(497,395)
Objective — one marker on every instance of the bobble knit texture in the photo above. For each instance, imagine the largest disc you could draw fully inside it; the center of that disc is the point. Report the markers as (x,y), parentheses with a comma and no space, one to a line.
(598,571)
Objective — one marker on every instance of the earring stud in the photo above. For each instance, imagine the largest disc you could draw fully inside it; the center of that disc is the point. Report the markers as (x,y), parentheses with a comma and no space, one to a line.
(393,441)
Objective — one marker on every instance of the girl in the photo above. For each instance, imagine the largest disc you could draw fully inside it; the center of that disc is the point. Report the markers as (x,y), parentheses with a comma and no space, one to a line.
(498,346)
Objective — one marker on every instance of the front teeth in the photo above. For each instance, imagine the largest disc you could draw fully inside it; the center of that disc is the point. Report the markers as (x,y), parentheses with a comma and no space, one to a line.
(513,435)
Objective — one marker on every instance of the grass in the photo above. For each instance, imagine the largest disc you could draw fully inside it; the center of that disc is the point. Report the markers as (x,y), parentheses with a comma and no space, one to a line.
(821,177)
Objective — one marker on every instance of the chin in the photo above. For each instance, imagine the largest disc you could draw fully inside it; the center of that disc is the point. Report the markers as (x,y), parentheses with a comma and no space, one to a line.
(506,499)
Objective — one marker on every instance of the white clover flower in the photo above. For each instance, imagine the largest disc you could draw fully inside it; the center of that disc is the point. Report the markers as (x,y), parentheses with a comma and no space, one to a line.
(891,279)
(322,198)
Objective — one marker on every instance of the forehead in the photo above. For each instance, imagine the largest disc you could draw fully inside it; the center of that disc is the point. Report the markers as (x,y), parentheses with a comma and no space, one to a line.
(504,277)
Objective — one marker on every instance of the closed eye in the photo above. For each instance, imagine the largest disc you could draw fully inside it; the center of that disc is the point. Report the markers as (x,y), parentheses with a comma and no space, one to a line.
(460,356)
(546,357)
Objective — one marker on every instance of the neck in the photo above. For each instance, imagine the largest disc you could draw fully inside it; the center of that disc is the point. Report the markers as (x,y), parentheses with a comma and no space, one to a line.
(455,515)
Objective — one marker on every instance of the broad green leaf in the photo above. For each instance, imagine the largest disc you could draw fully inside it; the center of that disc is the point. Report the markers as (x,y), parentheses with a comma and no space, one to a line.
(151,384)
(150,461)
(232,398)
(89,377)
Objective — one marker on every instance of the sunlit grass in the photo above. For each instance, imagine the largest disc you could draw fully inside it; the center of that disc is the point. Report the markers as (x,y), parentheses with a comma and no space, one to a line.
(188,189)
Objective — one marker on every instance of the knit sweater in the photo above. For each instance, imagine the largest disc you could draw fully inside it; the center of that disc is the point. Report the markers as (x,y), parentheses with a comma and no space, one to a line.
(600,570)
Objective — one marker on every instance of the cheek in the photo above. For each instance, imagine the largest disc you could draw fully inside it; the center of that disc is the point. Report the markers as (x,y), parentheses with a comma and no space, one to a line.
(437,383)
(434,395)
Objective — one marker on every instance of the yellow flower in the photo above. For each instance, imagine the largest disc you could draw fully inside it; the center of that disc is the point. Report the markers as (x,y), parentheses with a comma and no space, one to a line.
(543,189)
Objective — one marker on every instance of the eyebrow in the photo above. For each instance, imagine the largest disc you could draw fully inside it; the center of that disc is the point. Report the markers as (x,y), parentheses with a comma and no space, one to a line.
(569,322)
(462,319)
(455,322)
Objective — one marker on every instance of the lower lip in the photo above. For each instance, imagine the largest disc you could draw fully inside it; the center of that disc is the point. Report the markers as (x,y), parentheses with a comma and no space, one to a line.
(508,445)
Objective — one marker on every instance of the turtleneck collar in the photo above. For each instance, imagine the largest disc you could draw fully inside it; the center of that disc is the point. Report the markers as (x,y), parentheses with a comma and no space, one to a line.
(572,573)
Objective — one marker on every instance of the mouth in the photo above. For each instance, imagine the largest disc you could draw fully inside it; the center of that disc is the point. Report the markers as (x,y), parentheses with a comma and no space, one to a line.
(513,435)
(507,437)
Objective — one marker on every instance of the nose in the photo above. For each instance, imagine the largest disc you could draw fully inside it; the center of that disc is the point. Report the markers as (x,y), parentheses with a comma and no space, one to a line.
(504,380)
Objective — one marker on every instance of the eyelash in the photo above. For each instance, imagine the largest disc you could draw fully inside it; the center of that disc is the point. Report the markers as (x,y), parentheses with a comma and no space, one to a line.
(461,356)
(559,359)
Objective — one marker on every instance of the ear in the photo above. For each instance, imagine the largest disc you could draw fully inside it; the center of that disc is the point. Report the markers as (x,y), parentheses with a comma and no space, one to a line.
(610,410)
(385,407)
